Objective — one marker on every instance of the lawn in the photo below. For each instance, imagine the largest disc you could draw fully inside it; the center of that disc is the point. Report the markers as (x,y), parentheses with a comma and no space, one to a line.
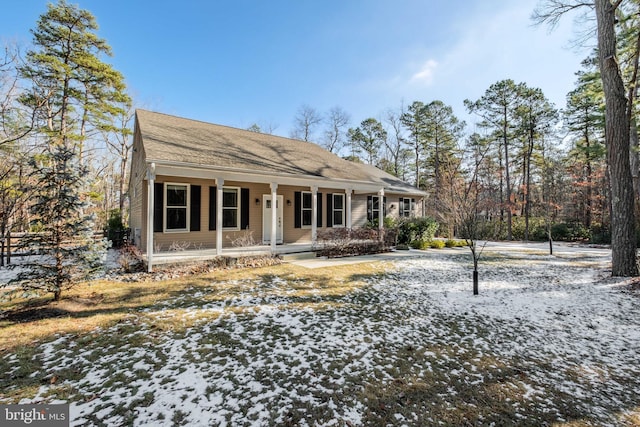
(550,340)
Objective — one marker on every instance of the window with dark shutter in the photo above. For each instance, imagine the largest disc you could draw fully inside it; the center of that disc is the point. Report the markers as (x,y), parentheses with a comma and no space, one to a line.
(244,208)
(195,208)
(297,208)
(158,206)
(213,194)
(329,210)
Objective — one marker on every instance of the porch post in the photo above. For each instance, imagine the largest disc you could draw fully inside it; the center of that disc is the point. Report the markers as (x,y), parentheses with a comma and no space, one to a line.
(380,213)
(219,204)
(348,191)
(151,176)
(274,216)
(314,214)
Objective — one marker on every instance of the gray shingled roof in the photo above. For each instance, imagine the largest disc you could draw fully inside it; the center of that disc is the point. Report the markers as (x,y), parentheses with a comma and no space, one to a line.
(175,139)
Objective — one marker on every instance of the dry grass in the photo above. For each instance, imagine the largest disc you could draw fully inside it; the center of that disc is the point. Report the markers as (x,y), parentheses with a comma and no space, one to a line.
(441,378)
(101,303)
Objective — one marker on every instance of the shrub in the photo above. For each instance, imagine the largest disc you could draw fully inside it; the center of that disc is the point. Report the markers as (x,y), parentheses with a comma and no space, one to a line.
(601,234)
(419,244)
(436,244)
(116,232)
(455,243)
(421,228)
(336,242)
(570,232)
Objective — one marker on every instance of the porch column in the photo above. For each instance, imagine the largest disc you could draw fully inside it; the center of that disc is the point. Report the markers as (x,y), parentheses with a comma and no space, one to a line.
(314,214)
(380,213)
(274,216)
(219,204)
(151,176)
(348,192)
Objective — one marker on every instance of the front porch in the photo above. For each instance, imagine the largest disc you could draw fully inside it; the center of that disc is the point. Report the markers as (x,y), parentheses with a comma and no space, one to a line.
(186,256)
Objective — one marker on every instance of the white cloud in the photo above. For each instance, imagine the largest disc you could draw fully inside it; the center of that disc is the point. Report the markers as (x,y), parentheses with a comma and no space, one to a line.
(426,73)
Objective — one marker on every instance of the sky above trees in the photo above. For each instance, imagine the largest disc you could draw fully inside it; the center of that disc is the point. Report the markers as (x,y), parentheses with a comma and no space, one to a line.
(245,62)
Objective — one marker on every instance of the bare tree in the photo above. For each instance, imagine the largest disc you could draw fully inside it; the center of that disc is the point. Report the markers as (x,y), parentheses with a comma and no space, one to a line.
(16,121)
(468,215)
(337,121)
(395,142)
(305,122)
(118,138)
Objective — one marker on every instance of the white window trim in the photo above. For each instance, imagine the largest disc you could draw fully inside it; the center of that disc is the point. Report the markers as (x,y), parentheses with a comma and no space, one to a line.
(238,208)
(333,209)
(375,213)
(164,207)
(412,208)
(302,209)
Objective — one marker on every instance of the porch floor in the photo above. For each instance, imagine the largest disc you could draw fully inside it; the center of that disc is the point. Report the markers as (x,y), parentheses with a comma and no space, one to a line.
(176,257)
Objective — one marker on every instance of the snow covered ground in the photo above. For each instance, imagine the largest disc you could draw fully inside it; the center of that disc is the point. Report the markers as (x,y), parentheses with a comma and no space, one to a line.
(550,339)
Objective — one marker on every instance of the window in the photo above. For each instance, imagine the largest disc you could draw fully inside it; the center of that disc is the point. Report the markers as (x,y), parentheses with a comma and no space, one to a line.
(375,208)
(230,207)
(307,211)
(338,210)
(176,205)
(407,207)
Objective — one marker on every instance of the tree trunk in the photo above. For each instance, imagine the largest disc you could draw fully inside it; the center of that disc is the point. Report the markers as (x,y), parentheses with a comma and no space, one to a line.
(635,160)
(475,282)
(9,244)
(507,177)
(617,128)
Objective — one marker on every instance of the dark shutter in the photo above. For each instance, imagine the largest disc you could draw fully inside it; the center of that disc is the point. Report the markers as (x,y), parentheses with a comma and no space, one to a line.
(195,208)
(319,211)
(329,210)
(369,208)
(297,207)
(213,193)
(384,207)
(158,206)
(244,208)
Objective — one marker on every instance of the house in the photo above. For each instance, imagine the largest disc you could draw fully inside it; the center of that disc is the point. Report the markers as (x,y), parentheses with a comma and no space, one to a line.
(205,185)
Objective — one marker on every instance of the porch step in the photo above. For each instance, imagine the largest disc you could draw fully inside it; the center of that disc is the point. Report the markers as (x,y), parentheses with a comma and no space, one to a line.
(298,256)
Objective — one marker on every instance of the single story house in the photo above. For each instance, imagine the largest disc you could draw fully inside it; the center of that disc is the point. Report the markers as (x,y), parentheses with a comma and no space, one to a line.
(204,186)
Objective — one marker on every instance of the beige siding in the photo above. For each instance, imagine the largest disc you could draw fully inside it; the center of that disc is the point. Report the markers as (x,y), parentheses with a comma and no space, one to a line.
(358,210)
(205,239)
(137,192)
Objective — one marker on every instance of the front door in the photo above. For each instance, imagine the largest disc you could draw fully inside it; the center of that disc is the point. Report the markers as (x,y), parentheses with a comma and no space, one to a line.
(267,208)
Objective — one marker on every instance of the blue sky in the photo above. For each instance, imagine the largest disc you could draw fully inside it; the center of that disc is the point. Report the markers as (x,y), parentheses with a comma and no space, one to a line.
(239,62)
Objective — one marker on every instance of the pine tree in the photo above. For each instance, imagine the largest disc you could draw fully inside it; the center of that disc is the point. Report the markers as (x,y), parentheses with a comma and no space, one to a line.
(63,249)
(73,92)
(370,137)
(497,108)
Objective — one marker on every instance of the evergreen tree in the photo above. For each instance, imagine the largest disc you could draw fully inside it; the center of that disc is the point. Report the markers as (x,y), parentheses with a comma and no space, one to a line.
(73,92)
(535,116)
(618,59)
(370,137)
(414,121)
(497,108)
(63,249)
(584,120)
(441,135)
